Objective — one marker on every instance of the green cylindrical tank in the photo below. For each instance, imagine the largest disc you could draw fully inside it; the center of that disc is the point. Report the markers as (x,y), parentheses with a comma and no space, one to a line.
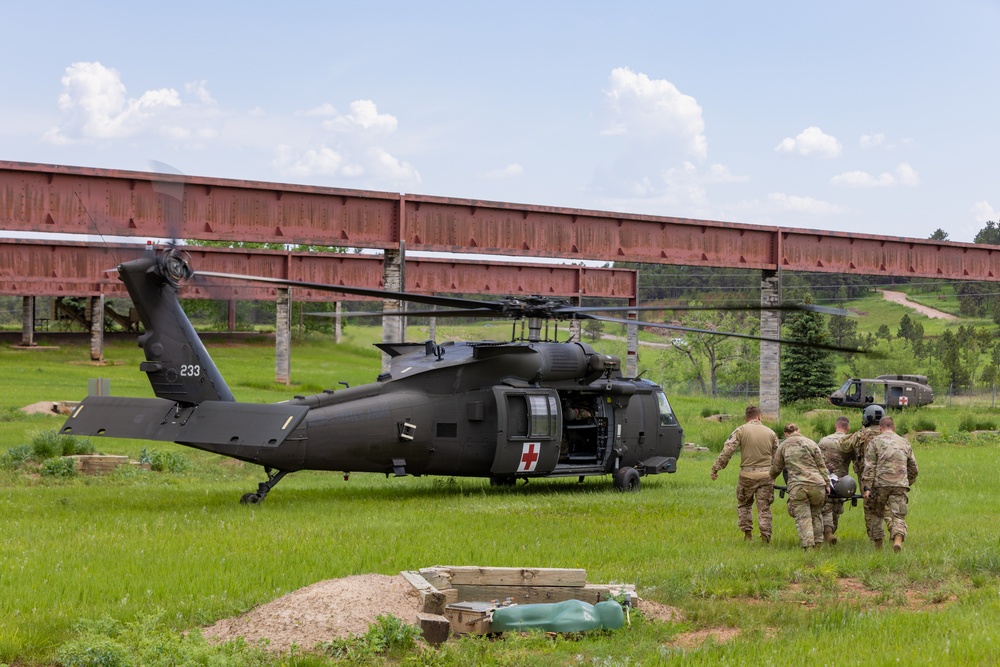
(567,616)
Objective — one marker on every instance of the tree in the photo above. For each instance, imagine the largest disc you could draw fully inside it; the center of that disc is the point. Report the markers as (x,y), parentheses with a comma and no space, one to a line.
(806,371)
(843,330)
(593,328)
(939,235)
(707,354)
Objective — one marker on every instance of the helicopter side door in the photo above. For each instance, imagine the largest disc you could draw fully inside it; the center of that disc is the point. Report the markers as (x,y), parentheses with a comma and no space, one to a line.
(529,430)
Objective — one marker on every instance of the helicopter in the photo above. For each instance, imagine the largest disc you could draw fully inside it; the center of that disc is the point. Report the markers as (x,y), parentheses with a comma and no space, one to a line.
(895,391)
(508,411)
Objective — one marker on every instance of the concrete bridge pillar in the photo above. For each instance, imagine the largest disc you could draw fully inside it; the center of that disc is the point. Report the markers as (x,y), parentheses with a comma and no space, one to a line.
(95,312)
(27,321)
(770,353)
(394,279)
(283,337)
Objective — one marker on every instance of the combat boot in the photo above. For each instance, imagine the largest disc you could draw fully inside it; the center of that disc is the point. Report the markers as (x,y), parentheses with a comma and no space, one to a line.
(766,539)
(747,535)
(878,545)
(897,543)
(828,536)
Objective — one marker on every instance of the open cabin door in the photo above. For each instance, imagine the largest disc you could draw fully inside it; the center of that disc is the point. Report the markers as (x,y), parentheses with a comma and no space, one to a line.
(529,430)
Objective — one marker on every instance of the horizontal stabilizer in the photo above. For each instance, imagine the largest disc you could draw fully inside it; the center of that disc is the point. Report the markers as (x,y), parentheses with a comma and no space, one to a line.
(209,422)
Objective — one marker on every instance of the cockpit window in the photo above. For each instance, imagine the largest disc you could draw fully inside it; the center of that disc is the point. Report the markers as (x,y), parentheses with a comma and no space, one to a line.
(666,413)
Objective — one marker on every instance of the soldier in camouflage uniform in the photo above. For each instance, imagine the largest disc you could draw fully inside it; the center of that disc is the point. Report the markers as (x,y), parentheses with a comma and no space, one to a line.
(808,484)
(855,446)
(837,462)
(757,444)
(890,470)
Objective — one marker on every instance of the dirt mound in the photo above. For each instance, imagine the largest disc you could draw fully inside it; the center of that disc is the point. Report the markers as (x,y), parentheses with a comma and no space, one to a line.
(42,408)
(322,611)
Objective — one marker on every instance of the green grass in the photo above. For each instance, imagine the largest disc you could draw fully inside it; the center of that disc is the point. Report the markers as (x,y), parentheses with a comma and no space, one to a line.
(178,548)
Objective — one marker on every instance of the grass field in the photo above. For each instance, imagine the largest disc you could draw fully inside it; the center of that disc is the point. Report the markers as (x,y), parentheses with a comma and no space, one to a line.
(167,552)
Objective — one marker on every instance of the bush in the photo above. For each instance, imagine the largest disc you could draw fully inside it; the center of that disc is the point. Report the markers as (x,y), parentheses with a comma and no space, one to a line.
(49,444)
(970,423)
(15,457)
(93,651)
(388,636)
(61,467)
(161,461)
(46,445)
(924,424)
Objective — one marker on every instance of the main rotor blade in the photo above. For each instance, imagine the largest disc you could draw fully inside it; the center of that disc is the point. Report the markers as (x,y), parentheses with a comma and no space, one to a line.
(429,299)
(471,312)
(811,307)
(731,334)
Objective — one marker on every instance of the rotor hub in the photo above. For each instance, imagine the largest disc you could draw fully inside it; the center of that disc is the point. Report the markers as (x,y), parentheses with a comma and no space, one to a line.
(174,266)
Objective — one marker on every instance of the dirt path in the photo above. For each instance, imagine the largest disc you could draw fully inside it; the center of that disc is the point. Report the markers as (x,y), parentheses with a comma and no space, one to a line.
(900,298)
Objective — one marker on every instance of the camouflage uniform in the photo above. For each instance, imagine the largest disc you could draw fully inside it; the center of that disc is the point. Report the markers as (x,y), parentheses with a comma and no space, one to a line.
(889,471)
(855,446)
(808,482)
(757,444)
(837,463)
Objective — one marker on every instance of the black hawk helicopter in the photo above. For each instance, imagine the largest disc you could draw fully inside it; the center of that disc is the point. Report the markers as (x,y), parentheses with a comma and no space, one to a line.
(504,410)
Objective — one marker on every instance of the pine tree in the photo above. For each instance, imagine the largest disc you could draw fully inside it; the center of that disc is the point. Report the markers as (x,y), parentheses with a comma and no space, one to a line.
(806,372)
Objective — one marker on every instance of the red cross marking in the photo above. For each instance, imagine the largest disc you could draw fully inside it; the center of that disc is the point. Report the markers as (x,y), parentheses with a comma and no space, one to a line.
(903,400)
(529,457)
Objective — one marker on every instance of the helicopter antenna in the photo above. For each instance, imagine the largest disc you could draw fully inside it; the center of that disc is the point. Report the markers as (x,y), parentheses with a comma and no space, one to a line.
(96,227)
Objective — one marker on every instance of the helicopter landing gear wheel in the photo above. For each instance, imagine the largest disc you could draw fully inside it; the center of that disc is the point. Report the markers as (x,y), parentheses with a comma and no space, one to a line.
(502,480)
(273,477)
(627,479)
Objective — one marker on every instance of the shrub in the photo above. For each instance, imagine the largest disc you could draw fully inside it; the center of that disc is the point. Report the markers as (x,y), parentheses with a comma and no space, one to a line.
(59,467)
(970,423)
(93,651)
(161,461)
(15,457)
(50,444)
(388,636)
(46,445)
(924,424)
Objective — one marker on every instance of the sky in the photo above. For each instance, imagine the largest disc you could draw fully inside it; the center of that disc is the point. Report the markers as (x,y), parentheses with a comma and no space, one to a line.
(876,117)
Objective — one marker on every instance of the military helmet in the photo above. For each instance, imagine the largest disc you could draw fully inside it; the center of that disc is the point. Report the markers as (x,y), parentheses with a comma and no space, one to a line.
(844,487)
(872,415)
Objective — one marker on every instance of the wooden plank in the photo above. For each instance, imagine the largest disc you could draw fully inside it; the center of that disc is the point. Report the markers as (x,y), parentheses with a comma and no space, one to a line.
(437,576)
(592,593)
(436,628)
(432,601)
(512,576)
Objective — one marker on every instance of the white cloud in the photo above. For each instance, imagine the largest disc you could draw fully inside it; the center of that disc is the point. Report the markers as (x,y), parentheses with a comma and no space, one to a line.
(797,204)
(812,141)
(512,170)
(390,168)
(322,161)
(872,140)
(96,106)
(904,175)
(364,115)
(982,211)
(719,173)
(654,108)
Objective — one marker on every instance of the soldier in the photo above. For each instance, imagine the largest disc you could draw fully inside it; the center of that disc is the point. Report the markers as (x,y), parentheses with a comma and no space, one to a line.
(808,484)
(855,446)
(757,444)
(889,471)
(837,462)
